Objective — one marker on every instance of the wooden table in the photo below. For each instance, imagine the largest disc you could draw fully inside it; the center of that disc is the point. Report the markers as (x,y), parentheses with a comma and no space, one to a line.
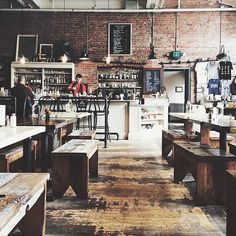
(221,126)
(53,127)
(22,203)
(11,136)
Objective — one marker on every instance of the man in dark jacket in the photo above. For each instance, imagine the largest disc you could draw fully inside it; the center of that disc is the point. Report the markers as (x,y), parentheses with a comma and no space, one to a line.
(24,97)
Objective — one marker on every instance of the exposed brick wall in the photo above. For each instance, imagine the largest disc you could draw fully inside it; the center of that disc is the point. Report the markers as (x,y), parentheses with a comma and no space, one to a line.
(198,32)
(88,69)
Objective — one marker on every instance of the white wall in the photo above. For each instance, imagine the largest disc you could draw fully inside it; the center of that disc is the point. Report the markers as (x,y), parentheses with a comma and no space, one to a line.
(173,79)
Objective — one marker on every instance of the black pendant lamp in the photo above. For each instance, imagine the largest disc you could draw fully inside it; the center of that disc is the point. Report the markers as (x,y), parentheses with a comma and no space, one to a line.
(152,54)
(64,58)
(84,55)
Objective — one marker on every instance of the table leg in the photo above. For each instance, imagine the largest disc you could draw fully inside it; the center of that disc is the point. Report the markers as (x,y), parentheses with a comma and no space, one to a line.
(27,153)
(205,134)
(223,140)
(44,151)
(188,126)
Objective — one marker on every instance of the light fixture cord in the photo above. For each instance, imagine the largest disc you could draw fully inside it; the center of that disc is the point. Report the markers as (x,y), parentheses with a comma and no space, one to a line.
(64,20)
(220,31)
(152,29)
(87,43)
(176,30)
(22,17)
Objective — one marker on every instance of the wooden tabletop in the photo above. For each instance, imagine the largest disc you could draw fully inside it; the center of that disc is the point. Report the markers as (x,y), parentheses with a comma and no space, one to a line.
(77,115)
(18,193)
(52,123)
(11,135)
(203,119)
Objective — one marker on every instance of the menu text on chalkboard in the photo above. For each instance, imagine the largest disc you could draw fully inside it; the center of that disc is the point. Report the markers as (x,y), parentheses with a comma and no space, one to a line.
(152,79)
(119,39)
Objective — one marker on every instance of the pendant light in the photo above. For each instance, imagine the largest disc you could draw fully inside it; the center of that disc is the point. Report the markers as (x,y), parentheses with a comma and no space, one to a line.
(176,54)
(108,57)
(152,54)
(22,59)
(222,53)
(64,58)
(84,55)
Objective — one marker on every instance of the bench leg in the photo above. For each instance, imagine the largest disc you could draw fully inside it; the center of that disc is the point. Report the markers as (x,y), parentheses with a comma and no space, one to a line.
(181,167)
(93,165)
(33,222)
(79,176)
(167,146)
(4,166)
(204,183)
(60,176)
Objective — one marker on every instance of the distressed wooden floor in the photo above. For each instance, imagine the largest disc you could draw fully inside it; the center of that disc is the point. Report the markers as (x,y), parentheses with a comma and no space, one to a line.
(134,195)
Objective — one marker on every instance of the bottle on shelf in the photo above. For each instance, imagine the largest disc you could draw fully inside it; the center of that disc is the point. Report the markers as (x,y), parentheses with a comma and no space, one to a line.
(188,107)
(13,120)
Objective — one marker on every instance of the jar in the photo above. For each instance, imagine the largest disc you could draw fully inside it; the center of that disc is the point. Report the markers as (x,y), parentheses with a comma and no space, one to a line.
(13,120)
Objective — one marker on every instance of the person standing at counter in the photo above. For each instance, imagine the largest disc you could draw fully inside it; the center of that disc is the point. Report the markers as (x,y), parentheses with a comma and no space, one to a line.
(77,87)
(24,98)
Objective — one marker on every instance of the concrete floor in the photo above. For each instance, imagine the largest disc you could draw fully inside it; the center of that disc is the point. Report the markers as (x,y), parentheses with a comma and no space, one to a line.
(134,195)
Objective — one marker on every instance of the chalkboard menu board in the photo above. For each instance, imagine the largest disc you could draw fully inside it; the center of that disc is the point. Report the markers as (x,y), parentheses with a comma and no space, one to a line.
(152,79)
(119,39)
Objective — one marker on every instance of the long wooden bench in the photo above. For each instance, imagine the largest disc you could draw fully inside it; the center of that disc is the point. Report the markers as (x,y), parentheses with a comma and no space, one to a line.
(207,165)
(231,205)
(82,134)
(72,163)
(232,148)
(10,155)
(176,135)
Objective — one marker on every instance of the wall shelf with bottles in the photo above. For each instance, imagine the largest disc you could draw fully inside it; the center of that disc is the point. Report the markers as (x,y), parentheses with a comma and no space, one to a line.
(121,79)
(51,76)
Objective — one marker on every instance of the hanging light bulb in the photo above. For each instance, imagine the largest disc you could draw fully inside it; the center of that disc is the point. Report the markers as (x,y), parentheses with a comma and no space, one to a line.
(64,58)
(108,59)
(22,59)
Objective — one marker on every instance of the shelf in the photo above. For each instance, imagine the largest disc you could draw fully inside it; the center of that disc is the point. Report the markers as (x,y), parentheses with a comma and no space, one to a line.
(48,71)
(120,88)
(152,113)
(28,73)
(56,84)
(119,80)
(151,120)
(57,73)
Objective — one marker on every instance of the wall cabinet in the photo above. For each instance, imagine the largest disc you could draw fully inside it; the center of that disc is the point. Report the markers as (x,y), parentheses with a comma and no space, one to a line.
(148,120)
(51,76)
(114,80)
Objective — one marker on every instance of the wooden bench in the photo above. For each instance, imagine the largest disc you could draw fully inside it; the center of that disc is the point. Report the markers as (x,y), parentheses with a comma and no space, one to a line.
(10,155)
(82,134)
(207,165)
(232,148)
(215,139)
(176,135)
(72,163)
(231,205)
(23,203)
